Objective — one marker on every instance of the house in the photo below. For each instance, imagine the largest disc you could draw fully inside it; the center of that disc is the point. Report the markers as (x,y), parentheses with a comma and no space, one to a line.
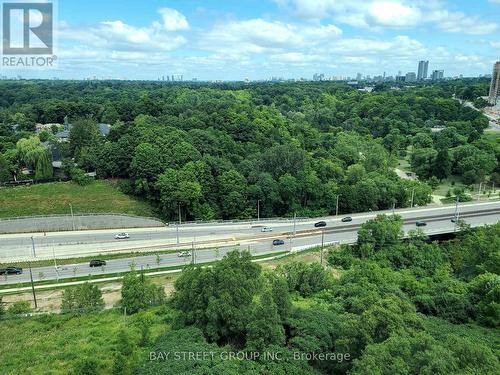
(47,127)
(104,129)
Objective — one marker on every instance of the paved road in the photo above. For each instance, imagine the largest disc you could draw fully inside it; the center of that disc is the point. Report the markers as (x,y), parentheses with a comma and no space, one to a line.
(17,247)
(437,222)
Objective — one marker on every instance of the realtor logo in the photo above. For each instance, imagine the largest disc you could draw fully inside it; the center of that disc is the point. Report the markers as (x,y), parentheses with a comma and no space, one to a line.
(28,28)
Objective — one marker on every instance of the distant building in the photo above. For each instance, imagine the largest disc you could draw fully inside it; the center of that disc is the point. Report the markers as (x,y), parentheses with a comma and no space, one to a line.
(359,76)
(423,67)
(437,75)
(47,127)
(400,78)
(104,129)
(410,77)
(494,96)
(318,77)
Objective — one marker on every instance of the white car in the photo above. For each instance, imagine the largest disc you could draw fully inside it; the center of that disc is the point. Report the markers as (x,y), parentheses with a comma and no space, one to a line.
(266,229)
(122,236)
(184,254)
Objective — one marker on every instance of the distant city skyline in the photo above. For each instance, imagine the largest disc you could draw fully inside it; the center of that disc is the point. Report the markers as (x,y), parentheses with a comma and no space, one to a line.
(225,40)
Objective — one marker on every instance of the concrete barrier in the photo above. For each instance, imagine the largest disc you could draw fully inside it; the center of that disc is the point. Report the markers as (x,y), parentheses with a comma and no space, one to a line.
(58,223)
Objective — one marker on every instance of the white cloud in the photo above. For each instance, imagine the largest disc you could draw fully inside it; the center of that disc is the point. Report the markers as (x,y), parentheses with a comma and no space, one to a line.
(259,36)
(173,20)
(118,39)
(379,14)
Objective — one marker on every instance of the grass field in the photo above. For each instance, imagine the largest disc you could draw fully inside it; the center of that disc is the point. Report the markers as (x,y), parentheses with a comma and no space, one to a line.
(55,198)
(58,344)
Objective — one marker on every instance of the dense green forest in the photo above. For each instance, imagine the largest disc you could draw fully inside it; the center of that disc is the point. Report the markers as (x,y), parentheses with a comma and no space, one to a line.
(218,151)
(398,307)
(386,305)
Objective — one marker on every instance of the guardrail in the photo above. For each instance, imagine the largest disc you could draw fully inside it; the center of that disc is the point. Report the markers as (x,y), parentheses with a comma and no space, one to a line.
(241,221)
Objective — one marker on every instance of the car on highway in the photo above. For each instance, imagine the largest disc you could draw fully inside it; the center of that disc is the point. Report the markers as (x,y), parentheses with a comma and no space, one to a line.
(184,254)
(420,223)
(97,263)
(320,224)
(122,236)
(454,219)
(266,229)
(11,271)
(278,242)
(346,219)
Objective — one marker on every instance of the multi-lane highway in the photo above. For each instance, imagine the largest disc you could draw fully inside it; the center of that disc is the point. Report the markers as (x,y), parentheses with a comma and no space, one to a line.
(225,237)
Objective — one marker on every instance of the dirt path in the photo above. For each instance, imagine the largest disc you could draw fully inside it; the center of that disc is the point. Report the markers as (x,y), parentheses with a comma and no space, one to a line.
(50,300)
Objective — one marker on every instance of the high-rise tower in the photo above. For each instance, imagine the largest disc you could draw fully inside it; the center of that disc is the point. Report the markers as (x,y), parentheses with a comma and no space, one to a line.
(423,67)
(494,96)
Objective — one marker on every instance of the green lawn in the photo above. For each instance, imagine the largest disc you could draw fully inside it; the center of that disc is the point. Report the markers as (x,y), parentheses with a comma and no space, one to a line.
(446,185)
(58,344)
(54,198)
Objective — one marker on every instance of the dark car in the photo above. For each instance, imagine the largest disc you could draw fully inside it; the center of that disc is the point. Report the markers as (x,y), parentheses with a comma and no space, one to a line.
(420,223)
(278,242)
(320,224)
(346,219)
(454,219)
(97,263)
(11,271)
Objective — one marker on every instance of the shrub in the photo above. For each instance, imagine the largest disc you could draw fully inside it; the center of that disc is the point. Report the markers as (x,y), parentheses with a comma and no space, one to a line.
(79,176)
(83,297)
(20,307)
(139,293)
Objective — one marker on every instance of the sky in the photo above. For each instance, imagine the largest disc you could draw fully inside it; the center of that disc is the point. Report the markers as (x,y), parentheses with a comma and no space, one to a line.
(258,39)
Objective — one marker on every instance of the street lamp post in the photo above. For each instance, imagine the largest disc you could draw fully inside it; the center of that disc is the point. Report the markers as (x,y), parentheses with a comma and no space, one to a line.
(412,197)
(337,206)
(72,216)
(179,223)
(322,245)
(31,273)
(258,209)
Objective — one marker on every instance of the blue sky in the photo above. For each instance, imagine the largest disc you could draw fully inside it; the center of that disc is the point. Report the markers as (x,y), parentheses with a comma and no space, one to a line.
(233,40)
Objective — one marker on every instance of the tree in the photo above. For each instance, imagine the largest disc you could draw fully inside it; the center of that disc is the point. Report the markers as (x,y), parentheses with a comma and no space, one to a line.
(265,327)
(418,353)
(36,156)
(219,299)
(4,169)
(306,279)
(145,167)
(83,297)
(281,295)
(83,135)
(138,292)
(442,164)
(423,161)
(380,232)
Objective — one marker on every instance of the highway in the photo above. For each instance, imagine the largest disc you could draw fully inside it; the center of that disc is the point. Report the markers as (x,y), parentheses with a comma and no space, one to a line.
(243,236)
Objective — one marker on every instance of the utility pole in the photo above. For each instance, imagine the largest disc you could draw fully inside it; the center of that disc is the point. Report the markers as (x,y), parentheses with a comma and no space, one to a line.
(179,223)
(55,262)
(72,216)
(456,213)
(294,224)
(393,206)
(337,206)
(31,273)
(479,191)
(258,209)
(322,244)
(412,197)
